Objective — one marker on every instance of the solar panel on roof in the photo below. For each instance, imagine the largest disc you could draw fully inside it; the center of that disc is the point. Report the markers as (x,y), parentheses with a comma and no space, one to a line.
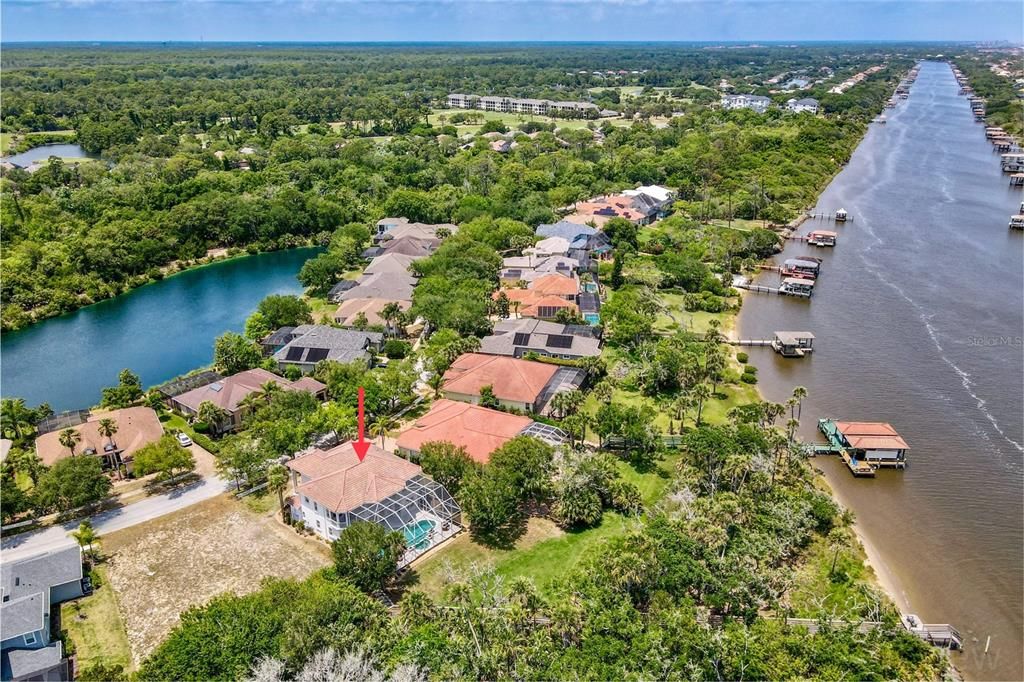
(316,354)
(559,341)
(521,339)
(294,354)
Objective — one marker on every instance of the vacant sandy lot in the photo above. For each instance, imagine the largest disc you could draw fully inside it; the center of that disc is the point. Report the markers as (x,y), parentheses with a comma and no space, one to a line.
(163,567)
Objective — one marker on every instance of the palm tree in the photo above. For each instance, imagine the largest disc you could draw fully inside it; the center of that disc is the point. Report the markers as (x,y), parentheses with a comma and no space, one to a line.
(69,438)
(277,482)
(16,418)
(436,383)
(380,427)
(701,392)
(85,536)
(269,388)
(26,462)
(389,313)
(211,414)
(107,428)
(799,393)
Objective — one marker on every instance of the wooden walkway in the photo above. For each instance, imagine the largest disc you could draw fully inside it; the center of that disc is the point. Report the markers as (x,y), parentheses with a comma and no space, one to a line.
(758,343)
(943,635)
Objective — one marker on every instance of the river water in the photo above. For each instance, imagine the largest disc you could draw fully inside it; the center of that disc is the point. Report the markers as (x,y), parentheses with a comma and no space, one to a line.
(919,314)
(158,331)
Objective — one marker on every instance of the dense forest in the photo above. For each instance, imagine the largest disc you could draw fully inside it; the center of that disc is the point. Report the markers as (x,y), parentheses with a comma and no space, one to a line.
(173,182)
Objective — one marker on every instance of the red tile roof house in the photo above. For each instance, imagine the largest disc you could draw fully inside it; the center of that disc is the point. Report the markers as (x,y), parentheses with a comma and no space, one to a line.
(478,429)
(517,384)
(536,304)
(136,428)
(333,489)
(228,394)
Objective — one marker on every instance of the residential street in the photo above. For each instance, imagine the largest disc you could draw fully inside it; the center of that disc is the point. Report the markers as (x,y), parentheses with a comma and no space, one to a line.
(129,515)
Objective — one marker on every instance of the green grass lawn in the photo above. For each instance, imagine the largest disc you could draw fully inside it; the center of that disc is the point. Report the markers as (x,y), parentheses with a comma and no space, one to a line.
(513,121)
(817,587)
(545,552)
(5,142)
(95,628)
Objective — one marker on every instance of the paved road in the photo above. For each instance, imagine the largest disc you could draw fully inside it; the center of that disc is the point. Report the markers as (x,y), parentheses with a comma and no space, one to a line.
(115,519)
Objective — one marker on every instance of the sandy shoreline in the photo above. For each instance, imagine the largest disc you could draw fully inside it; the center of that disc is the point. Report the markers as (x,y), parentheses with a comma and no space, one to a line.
(884,578)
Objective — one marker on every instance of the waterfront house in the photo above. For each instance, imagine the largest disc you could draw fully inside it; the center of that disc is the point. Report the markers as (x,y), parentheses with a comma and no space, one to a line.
(229,393)
(516,338)
(335,292)
(334,488)
(517,384)
(356,312)
(390,286)
(136,428)
(32,590)
(479,430)
(398,228)
(390,263)
(313,343)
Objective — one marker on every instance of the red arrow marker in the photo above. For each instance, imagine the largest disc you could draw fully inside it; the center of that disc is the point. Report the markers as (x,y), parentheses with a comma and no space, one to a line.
(361,446)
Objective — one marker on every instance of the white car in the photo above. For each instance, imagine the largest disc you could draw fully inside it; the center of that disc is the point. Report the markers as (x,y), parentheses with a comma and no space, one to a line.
(183,439)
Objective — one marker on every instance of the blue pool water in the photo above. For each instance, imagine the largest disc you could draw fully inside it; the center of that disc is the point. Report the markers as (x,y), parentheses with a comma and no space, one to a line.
(416,534)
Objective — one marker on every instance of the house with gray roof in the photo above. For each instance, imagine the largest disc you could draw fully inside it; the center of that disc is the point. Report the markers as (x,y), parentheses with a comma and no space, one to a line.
(516,338)
(808,104)
(31,590)
(313,343)
(385,285)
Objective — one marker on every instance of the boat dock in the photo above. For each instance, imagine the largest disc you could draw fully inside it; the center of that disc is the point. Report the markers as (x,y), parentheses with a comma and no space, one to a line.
(863,446)
(941,635)
(839,216)
(786,344)
(787,289)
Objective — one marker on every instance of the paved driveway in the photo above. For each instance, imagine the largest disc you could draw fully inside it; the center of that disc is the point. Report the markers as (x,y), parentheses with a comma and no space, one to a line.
(108,521)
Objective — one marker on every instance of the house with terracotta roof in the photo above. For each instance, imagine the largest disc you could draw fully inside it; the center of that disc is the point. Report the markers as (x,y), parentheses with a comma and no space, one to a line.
(556,284)
(230,392)
(478,429)
(517,384)
(533,303)
(136,428)
(353,311)
(334,488)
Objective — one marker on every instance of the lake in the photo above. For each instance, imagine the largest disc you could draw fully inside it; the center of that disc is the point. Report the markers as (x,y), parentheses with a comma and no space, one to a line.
(919,315)
(43,152)
(159,330)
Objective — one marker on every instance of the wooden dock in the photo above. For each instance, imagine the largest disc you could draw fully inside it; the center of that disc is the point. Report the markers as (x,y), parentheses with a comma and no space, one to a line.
(829,216)
(757,343)
(941,635)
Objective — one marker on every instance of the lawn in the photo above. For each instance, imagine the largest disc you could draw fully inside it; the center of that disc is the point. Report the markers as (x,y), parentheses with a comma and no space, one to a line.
(674,316)
(95,628)
(544,552)
(513,121)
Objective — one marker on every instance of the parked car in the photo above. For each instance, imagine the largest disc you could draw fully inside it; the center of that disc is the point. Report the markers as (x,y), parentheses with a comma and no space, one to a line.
(183,439)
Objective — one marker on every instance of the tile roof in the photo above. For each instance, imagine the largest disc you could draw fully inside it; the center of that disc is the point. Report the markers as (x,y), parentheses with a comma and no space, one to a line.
(393,263)
(409,246)
(389,285)
(136,427)
(871,436)
(340,482)
(565,230)
(555,285)
(512,379)
(230,391)
(478,429)
(349,310)
(531,301)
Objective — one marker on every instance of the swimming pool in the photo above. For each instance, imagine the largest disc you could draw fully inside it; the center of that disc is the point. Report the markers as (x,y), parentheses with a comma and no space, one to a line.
(417,534)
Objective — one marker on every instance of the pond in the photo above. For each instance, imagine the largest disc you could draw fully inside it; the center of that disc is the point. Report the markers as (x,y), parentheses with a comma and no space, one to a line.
(43,152)
(158,331)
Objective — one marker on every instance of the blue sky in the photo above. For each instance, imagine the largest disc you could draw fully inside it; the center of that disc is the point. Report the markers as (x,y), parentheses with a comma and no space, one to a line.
(410,20)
